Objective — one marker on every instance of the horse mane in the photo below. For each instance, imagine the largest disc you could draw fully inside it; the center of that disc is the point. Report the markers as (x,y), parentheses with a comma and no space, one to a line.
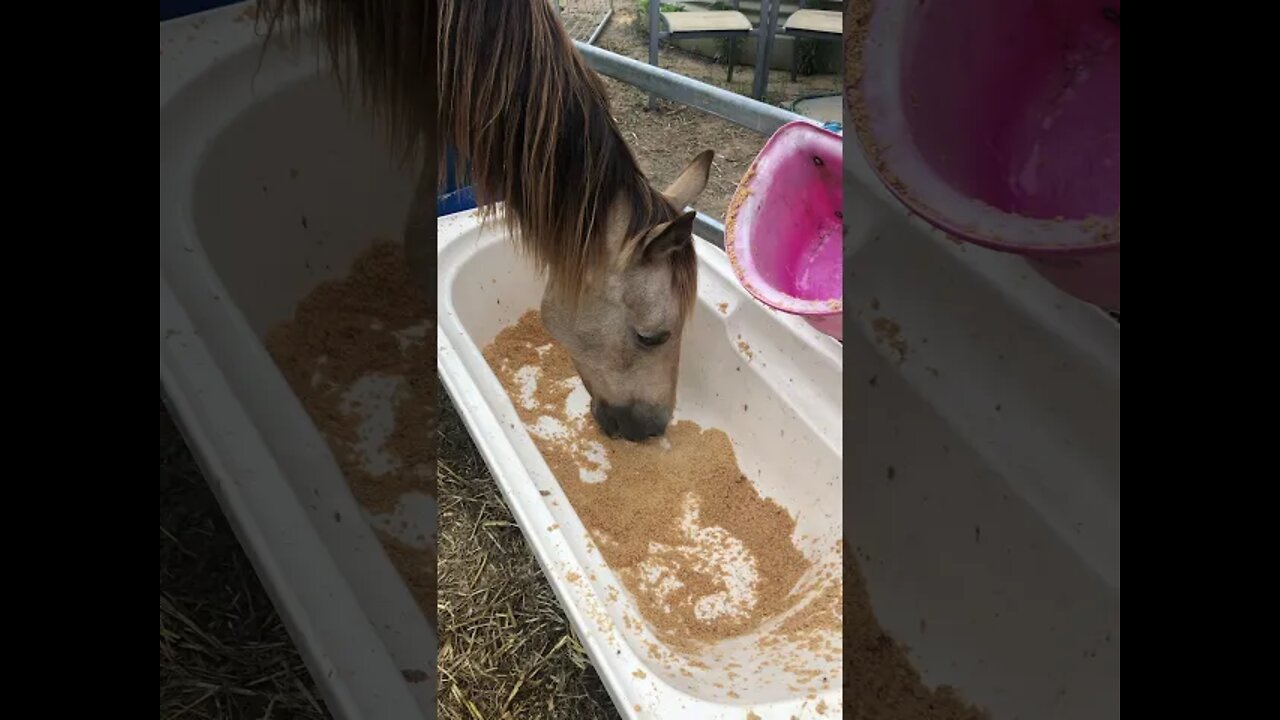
(385,47)
(529,121)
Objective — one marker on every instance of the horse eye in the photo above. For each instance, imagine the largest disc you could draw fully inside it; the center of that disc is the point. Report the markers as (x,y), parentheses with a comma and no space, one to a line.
(653,340)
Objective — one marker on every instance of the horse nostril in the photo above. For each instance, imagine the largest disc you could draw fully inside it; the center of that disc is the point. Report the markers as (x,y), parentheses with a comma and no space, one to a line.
(605,417)
(636,423)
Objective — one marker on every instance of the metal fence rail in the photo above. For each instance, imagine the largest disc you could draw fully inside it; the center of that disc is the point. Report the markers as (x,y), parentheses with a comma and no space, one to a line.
(738,109)
(584,20)
(751,114)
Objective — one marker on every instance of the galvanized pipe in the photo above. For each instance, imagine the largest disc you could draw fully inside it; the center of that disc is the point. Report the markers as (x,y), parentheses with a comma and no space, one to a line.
(653,47)
(764,47)
(751,114)
(600,28)
(710,229)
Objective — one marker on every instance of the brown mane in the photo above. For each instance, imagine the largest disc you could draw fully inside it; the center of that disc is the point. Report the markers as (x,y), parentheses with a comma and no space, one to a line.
(530,122)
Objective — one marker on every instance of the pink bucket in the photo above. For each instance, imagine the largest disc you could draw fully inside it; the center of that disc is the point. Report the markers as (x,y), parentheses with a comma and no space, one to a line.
(999,123)
(785,228)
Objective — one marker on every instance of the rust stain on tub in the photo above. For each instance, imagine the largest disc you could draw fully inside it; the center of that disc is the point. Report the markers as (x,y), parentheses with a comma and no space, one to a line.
(889,333)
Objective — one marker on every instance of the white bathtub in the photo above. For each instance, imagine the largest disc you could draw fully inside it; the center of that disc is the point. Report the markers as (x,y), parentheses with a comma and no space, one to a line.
(789,377)
(243,159)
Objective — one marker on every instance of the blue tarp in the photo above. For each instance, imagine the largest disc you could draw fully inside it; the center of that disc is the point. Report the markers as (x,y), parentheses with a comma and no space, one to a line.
(455,202)
(454,199)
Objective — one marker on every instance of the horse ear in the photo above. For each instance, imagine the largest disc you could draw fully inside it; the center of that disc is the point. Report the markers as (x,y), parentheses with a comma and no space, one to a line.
(692,181)
(668,237)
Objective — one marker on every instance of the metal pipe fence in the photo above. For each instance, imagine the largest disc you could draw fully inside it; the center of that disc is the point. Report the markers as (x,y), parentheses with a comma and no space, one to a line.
(751,114)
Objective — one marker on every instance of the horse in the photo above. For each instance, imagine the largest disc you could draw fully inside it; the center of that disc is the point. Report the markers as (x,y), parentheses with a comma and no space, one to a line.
(531,124)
